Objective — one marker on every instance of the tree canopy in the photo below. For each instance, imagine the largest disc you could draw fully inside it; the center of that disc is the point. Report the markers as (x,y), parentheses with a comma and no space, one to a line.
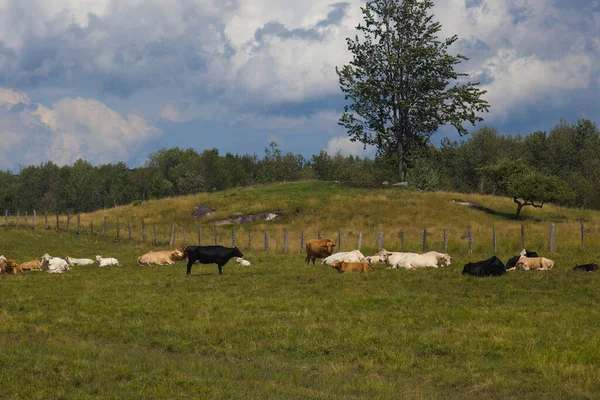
(402,82)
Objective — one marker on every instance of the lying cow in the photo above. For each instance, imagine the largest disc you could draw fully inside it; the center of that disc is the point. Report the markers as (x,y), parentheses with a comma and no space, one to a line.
(79,261)
(12,267)
(534,263)
(34,265)
(348,256)
(586,267)
(105,262)
(164,257)
(513,260)
(343,266)
(318,248)
(210,255)
(413,260)
(53,265)
(243,262)
(491,267)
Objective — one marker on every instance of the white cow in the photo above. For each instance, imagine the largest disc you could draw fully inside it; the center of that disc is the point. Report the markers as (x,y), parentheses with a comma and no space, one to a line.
(429,259)
(54,265)
(103,262)
(78,261)
(243,262)
(345,256)
(394,259)
(2,258)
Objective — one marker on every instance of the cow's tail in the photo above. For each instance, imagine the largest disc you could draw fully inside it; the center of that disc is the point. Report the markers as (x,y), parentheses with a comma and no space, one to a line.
(138,261)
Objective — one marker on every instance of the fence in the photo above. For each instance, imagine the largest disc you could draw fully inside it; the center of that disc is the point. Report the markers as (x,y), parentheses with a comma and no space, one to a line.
(277,238)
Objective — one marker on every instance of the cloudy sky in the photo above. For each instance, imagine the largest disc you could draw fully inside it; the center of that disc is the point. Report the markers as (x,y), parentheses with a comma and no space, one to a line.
(113,80)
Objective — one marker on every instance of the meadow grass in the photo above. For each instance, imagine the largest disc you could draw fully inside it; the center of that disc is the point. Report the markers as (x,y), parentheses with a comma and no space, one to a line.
(281,329)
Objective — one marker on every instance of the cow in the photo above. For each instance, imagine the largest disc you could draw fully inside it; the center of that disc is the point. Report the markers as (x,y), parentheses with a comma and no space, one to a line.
(164,257)
(318,248)
(534,263)
(2,258)
(513,260)
(491,267)
(78,261)
(219,255)
(348,256)
(414,260)
(375,259)
(11,266)
(243,262)
(34,265)
(391,258)
(586,267)
(343,266)
(54,265)
(103,262)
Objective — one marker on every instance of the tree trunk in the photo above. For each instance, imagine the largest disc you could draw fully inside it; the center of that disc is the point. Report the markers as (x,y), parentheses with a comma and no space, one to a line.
(519,207)
(402,170)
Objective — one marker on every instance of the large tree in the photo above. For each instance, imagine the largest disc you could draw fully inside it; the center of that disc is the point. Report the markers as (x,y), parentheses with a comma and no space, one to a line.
(402,82)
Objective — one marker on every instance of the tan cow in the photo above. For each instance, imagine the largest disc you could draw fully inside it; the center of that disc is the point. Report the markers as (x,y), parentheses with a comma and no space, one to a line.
(533,263)
(34,265)
(318,248)
(343,266)
(164,257)
(11,266)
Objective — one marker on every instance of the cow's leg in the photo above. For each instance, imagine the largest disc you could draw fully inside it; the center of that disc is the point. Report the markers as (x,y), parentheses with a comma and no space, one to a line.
(220,269)
(189,267)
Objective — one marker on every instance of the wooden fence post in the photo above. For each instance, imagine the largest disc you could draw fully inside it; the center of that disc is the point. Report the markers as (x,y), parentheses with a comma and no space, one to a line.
(143,231)
(232,237)
(339,240)
(401,240)
(6,217)
(380,240)
(424,240)
(17,219)
(26,219)
(318,235)
(249,238)
(105,225)
(199,236)
(215,233)
(522,236)
(445,242)
(552,238)
(285,241)
(118,228)
(46,218)
(34,220)
(78,223)
(301,241)
(57,220)
(155,234)
(470,235)
(91,228)
(129,228)
(266,241)
(359,240)
(184,236)
(68,223)
(172,239)
(582,232)
(494,238)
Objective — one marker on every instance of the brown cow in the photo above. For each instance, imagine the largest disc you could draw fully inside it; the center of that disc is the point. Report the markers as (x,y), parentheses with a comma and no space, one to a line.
(318,248)
(11,267)
(343,266)
(34,265)
(164,257)
(533,263)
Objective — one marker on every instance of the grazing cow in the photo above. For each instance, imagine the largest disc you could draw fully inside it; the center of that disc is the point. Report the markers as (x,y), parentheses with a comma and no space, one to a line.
(78,261)
(54,265)
(318,248)
(243,262)
(491,267)
(11,267)
(586,267)
(34,265)
(348,256)
(534,263)
(343,266)
(103,262)
(513,260)
(210,255)
(164,257)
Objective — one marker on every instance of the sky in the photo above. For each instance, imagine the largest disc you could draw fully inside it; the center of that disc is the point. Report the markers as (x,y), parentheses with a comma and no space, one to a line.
(115,80)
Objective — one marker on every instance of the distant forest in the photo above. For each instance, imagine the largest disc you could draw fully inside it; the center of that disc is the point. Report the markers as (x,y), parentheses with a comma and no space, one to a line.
(570,151)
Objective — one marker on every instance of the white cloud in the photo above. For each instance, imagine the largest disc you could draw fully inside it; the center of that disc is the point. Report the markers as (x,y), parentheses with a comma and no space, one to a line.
(72,128)
(343,145)
(170,113)
(10,96)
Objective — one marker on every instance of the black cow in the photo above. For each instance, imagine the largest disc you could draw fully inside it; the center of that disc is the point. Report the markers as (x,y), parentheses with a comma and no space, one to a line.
(210,255)
(491,267)
(513,261)
(586,267)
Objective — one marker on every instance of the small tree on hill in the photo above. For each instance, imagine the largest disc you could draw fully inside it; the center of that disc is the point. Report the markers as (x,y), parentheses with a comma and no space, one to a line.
(527,187)
(402,81)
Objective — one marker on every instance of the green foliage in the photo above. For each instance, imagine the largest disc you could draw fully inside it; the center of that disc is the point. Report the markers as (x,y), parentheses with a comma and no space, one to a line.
(424,176)
(402,82)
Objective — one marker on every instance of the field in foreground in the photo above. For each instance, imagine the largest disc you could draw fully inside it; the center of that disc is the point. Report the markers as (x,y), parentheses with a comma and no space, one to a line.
(280,329)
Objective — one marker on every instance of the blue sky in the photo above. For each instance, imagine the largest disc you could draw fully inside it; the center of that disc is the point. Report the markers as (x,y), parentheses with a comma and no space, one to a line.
(114,80)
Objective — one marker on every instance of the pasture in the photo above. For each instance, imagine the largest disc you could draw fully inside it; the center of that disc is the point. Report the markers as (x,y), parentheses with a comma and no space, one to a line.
(281,329)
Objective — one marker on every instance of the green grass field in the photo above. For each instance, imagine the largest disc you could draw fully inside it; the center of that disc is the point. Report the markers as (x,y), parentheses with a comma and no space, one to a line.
(281,329)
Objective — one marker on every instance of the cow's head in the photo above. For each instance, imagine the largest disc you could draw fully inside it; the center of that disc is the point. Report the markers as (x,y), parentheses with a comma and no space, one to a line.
(330,247)
(98,258)
(177,255)
(522,265)
(445,260)
(237,252)
(337,264)
(467,269)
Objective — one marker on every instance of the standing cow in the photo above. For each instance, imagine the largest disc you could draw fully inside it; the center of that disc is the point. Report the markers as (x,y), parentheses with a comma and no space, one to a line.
(210,255)
(318,248)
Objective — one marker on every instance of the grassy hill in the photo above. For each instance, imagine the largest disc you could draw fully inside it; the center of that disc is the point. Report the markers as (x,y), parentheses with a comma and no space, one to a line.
(280,329)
